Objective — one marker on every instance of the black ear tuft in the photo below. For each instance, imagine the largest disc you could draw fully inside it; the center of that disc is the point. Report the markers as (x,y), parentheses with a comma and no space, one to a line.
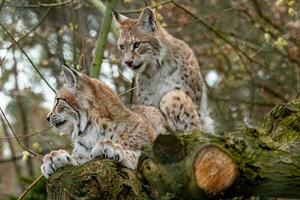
(119,18)
(147,20)
(71,76)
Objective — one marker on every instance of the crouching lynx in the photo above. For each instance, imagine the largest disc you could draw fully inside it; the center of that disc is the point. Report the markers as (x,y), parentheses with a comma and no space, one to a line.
(167,72)
(98,122)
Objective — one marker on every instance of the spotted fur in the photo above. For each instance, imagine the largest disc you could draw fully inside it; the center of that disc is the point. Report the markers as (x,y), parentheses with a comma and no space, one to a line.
(164,64)
(97,122)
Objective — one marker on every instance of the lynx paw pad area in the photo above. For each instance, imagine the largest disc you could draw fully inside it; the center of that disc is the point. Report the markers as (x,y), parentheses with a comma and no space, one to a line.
(107,149)
(54,161)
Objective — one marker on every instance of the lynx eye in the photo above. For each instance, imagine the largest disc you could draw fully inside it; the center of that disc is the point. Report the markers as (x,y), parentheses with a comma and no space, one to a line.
(136,45)
(60,108)
(121,46)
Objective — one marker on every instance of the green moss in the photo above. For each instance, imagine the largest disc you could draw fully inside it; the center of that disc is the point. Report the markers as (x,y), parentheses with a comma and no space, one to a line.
(97,179)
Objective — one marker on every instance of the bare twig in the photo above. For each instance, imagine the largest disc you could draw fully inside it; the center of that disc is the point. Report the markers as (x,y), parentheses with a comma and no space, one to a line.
(140,10)
(1,61)
(39,5)
(2,4)
(226,10)
(29,135)
(22,50)
(129,90)
(263,29)
(19,156)
(218,33)
(272,92)
(33,29)
(244,101)
(17,138)
(11,147)
(209,16)
(265,18)
(30,186)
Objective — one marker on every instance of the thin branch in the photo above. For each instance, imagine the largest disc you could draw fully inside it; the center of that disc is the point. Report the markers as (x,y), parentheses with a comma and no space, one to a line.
(1,5)
(271,91)
(217,14)
(244,101)
(262,28)
(209,27)
(40,177)
(129,90)
(226,10)
(20,156)
(17,138)
(11,159)
(12,148)
(33,29)
(29,135)
(265,18)
(22,50)
(1,61)
(220,34)
(102,39)
(39,5)
(140,10)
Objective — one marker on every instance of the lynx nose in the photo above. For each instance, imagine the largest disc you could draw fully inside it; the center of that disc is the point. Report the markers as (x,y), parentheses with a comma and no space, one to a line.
(129,62)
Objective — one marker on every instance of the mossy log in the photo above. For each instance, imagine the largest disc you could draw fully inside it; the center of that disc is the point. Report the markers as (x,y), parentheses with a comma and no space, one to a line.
(263,161)
(98,179)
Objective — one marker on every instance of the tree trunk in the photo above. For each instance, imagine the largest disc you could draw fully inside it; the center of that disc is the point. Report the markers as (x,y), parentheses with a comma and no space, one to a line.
(11,148)
(23,117)
(263,161)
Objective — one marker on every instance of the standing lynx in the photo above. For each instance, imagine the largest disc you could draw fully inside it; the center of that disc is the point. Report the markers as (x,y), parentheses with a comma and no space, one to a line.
(167,72)
(97,122)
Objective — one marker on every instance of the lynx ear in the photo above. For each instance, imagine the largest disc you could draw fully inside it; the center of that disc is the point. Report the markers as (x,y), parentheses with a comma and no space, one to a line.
(72,77)
(147,20)
(119,18)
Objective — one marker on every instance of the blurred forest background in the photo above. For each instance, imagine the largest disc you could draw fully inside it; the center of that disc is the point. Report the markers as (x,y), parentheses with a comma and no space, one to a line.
(248,51)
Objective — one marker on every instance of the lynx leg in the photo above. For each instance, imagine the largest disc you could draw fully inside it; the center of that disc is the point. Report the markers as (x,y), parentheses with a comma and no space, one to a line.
(131,158)
(153,115)
(108,149)
(180,111)
(55,160)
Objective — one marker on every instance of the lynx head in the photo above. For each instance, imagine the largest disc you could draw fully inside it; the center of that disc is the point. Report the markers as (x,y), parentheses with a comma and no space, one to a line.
(139,40)
(81,102)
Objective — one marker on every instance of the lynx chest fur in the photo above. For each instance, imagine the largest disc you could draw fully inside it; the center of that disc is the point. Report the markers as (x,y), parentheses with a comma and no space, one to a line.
(172,73)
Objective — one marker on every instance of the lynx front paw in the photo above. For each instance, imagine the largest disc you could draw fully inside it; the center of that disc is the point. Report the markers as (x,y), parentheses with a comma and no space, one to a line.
(107,149)
(56,160)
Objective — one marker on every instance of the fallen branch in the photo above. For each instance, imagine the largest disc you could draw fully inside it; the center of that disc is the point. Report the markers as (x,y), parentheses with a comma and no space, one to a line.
(262,161)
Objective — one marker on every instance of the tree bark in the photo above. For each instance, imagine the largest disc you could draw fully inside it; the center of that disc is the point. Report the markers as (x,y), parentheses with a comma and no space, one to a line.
(262,161)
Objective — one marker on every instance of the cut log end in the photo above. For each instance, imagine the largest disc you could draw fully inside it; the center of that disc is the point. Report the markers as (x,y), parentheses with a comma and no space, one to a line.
(214,170)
